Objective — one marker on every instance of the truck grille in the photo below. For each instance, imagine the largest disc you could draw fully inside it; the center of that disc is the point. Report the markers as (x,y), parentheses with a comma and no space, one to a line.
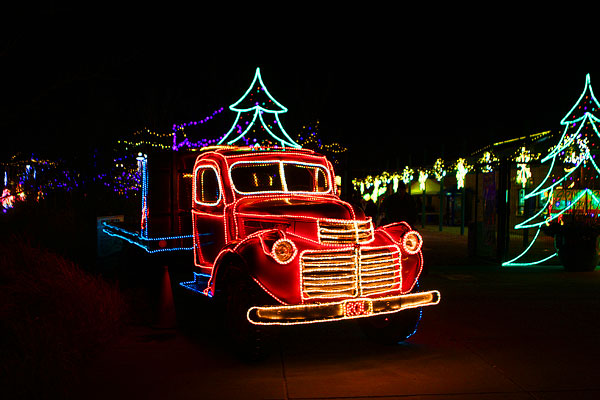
(345,232)
(350,272)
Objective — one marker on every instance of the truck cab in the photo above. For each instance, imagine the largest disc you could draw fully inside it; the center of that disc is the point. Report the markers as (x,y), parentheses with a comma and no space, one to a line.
(268,224)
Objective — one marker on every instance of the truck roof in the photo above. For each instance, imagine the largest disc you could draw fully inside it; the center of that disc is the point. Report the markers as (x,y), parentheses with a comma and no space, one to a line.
(237,150)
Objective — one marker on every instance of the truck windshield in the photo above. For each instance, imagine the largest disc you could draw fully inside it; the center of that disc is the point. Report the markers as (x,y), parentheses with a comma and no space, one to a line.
(255,177)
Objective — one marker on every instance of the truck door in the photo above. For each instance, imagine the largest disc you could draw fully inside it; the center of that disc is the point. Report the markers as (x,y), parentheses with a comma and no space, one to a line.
(208,208)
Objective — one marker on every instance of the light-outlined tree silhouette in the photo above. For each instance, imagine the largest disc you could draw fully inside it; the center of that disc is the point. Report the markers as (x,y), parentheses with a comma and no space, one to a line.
(257,120)
(570,188)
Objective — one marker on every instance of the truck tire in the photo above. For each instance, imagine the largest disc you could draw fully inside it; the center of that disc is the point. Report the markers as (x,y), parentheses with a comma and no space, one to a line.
(250,342)
(391,328)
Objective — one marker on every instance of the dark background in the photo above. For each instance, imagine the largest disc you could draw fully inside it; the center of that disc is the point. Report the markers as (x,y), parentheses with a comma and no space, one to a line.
(395,90)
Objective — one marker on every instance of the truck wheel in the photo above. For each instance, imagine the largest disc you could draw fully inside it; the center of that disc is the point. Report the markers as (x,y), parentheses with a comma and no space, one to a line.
(391,328)
(249,341)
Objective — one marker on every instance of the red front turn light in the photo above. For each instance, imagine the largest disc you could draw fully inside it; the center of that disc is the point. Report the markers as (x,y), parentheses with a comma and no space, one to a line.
(283,251)
(411,242)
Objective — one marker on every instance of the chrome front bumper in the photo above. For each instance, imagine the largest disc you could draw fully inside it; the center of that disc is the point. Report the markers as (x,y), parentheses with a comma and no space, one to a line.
(336,311)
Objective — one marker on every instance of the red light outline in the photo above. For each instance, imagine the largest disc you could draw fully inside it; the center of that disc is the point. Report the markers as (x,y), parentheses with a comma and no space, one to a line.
(228,209)
(281,163)
(215,168)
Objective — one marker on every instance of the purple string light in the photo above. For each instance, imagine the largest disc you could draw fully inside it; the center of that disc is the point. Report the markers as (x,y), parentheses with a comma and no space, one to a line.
(201,142)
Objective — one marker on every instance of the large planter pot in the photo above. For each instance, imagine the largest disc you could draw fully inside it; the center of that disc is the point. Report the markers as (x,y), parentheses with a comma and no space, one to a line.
(577,250)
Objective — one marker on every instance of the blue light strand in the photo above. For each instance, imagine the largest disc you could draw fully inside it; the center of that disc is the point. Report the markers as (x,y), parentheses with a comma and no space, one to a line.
(199,284)
(420,317)
(127,232)
(143,167)
(146,248)
(138,240)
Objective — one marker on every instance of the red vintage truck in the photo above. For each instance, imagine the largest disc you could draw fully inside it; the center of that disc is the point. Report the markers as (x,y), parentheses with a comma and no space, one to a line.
(272,239)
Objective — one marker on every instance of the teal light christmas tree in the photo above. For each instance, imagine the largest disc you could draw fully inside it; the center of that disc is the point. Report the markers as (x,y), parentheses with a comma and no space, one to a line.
(257,121)
(570,188)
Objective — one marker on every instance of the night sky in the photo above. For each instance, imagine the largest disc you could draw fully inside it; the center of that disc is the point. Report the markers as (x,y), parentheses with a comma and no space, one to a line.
(391,93)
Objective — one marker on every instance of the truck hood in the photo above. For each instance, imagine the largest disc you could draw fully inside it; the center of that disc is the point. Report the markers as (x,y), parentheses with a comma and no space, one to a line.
(326,207)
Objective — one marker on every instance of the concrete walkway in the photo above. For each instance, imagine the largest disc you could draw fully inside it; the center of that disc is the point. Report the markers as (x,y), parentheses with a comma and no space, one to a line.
(510,333)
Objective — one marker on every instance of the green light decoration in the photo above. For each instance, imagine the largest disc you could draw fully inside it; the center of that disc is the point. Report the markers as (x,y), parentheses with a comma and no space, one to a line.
(438,169)
(366,184)
(571,185)
(487,161)
(257,105)
(462,168)
(523,158)
(395,181)
(423,175)
(407,175)
(380,183)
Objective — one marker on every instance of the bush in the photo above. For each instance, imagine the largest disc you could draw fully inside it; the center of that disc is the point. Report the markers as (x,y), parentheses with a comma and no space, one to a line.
(53,316)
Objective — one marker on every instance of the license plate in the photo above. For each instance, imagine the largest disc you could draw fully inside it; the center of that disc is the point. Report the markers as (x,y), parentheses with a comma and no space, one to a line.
(355,308)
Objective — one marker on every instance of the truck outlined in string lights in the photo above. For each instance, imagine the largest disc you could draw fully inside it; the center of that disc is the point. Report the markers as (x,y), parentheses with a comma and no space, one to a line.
(279,232)
(271,238)
(273,241)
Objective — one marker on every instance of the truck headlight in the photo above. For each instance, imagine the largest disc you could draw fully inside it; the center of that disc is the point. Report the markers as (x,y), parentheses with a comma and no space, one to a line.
(411,242)
(283,251)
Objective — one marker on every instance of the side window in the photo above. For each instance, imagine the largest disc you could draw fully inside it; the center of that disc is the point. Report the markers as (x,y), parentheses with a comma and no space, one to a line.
(322,184)
(207,186)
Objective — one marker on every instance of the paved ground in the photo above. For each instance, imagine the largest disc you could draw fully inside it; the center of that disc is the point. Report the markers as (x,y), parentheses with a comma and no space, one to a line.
(497,334)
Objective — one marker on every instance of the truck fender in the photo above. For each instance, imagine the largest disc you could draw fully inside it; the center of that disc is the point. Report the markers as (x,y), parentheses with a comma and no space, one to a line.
(231,261)
(227,259)
(413,260)
(395,230)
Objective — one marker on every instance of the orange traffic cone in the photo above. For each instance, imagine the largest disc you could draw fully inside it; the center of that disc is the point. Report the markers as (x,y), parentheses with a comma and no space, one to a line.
(166,307)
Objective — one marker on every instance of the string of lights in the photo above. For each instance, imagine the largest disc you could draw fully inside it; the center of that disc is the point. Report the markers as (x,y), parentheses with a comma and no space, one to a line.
(571,184)
(257,105)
